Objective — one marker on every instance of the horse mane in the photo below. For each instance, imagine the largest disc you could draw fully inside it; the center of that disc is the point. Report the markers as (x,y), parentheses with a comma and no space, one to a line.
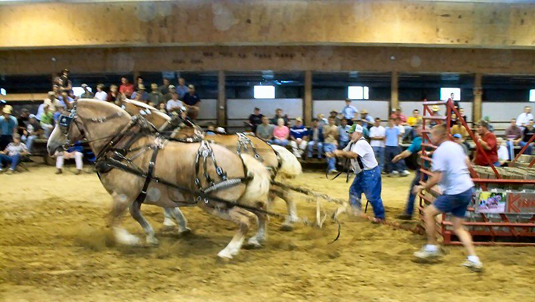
(110,106)
(152,109)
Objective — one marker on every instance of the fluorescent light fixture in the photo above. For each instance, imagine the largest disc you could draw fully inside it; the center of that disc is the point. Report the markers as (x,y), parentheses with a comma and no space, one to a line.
(445,93)
(2,91)
(79,90)
(532,95)
(358,92)
(264,92)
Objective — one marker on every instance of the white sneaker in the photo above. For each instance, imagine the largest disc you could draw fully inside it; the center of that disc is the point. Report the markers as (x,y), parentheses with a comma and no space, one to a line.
(425,253)
(405,173)
(475,266)
(394,173)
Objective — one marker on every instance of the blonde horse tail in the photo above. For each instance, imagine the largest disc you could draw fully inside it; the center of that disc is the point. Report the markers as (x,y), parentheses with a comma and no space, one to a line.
(290,166)
(258,187)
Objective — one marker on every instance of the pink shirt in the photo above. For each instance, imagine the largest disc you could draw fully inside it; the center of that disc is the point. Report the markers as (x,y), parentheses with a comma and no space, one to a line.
(281,132)
(402,117)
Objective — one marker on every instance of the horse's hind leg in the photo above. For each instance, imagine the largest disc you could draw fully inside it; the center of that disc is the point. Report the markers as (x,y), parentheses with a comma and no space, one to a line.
(168,221)
(120,204)
(180,218)
(261,234)
(136,214)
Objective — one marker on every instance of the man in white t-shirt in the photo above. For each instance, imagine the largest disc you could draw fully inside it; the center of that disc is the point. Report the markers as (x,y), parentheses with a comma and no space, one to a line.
(524,117)
(174,104)
(368,178)
(450,172)
(503,153)
(377,142)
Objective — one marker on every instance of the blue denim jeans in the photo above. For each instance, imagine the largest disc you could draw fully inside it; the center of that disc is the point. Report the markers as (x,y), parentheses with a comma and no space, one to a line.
(390,153)
(342,144)
(412,197)
(310,148)
(379,153)
(331,162)
(13,161)
(280,142)
(369,183)
(529,149)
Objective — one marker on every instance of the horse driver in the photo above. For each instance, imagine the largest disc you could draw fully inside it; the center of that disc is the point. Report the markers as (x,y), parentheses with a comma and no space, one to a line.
(368,178)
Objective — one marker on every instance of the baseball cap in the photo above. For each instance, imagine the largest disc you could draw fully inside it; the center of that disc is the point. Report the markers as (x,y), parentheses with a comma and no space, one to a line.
(172,86)
(355,128)
(84,85)
(191,86)
(457,135)
(298,119)
(435,108)
(7,109)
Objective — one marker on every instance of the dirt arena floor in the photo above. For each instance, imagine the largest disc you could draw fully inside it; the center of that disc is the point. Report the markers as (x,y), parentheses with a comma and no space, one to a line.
(55,246)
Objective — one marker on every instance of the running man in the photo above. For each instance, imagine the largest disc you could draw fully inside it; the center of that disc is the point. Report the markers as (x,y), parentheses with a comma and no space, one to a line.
(450,172)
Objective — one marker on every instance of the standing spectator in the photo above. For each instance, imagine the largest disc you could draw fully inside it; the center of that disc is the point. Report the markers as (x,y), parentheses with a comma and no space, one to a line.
(174,104)
(101,95)
(298,138)
(191,101)
(366,119)
(343,135)
(487,140)
(76,152)
(334,115)
(503,153)
(377,142)
(392,149)
(407,134)
(169,95)
(459,140)
(126,88)
(33,130)
(315,134)
(281,134)
(255,119)
(141,95)
(397,123)
(529,131)
(86,94)
(322,120)
(415,119)
(278,115)
(8,127)
(156,97)
(349,112)
(330,133)
(12,154)
(513,134)
(64,84)
(164,89)
(47,121)
(365,131)
(182,89)
(264,131)
(139,82)
(22,121)
(114,96)
(524,117)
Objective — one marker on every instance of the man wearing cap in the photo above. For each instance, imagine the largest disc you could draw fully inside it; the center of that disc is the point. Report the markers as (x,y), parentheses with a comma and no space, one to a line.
(164,89)
(349,112)
(140,95)
(334,114)
(182,89)
(8,127)
(487,140)
(298,138)
(155,96)
(11,154)
(33,130)
(192,101)
(169,95)
(174,104)
(255,119)
(368,178)
(87,94)
(23,120)
(366,119)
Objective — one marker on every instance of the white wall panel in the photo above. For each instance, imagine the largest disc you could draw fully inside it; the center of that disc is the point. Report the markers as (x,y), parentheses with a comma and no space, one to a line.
(242,108)
(375,108)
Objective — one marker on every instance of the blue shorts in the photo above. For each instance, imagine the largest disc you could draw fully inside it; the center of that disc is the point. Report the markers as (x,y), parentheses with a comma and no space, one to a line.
(454,204)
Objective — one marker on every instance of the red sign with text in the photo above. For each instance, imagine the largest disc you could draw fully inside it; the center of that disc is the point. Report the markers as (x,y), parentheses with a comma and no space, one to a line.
(521,203)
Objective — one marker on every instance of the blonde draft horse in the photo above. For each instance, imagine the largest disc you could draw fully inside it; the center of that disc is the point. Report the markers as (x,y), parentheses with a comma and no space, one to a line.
(269,155)
(99,122)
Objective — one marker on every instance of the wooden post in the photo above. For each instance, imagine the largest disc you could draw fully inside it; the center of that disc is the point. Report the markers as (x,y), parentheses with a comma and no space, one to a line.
(221,100)
(394,96)
(307,101)
(477,108)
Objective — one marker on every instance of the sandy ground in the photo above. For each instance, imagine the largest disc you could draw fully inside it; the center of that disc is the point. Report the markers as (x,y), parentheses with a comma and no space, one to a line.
(55,246)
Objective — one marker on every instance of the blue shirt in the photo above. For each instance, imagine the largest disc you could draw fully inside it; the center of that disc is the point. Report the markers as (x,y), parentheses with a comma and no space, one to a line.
(343,136)
(298,132)
(144,96)
(392,136)
(416,145)
(8,125)
(76,147)
(349,112)
(56,116)
(369,121)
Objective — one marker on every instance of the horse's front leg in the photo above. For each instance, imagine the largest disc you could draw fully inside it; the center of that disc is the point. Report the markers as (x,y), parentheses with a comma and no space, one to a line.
(119,206)
(136,214)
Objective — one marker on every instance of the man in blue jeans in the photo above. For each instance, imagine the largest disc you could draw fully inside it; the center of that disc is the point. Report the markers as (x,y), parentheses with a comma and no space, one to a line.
(450,172)
(12,154)
(377,141)
(330,134)
(392,149)
(368,178)
(315,136)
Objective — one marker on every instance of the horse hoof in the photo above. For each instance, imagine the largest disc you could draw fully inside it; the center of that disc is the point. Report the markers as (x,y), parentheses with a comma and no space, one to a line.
(253,244)
(185,232)
(152,241)
(287,227)
(224,255)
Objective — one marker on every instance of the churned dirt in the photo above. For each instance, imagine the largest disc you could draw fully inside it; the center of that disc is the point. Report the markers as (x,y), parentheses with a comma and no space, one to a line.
(54,245)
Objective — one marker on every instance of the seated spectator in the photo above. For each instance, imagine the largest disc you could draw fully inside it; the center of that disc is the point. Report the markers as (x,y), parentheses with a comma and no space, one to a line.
(22,121)
(523,119)
(366,119)
(281,134)
(169,95)
(435,112)
(255,119)
(278,115)
(488,142)
(156,97)
(377,141)
(415,119)
(322,120)
(334,115)
(264,131)
(529,131)
(75,152)
(459,139)
(298,138)
(114,96)
(174,104)
(191,101)
(47,122)
(33,131)
(315,135)
(164,89)
(8,127)
(163,108)
(59,111)
(513,134)
(503,153)
(126,88)
(139,83)
(51,102)
(458,128)
(330,133)
(392,149)
(12,154)
(461,112)
(86,94)
(101,95)
(210,130)
(181,89)
(343,135)
(141,95)
(349,112)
